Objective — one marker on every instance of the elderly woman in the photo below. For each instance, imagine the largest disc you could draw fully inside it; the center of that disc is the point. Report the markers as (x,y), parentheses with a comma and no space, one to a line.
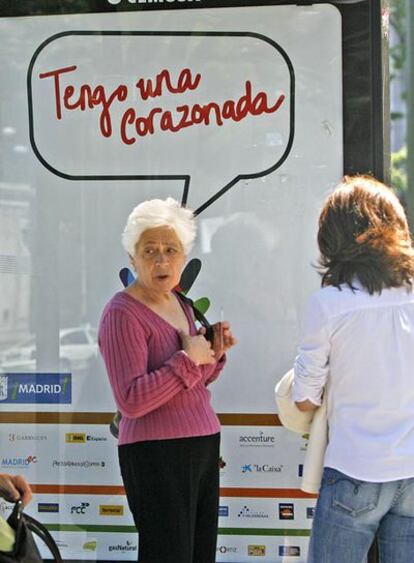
(159,367)
(358,349)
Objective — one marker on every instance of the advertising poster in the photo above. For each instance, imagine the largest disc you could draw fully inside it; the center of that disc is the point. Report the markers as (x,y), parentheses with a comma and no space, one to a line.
(236,112)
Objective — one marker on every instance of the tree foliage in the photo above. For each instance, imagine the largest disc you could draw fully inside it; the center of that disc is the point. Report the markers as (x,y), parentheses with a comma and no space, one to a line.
(398,57)
(398,21)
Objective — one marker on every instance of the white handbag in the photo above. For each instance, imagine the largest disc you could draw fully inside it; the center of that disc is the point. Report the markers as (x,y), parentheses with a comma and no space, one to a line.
(314,423)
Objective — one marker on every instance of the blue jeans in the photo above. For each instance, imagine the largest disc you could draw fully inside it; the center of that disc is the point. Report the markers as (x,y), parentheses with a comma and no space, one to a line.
(350,512)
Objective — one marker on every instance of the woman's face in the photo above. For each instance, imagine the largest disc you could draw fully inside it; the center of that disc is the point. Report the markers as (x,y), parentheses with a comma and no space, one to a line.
(159,259)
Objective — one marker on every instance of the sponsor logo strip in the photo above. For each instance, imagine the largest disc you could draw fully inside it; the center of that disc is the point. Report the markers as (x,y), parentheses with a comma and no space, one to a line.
(56,417)
(119,490)
(263,532)
(222,531)
(264,493)
(91,528)
(226,419)
(79,489)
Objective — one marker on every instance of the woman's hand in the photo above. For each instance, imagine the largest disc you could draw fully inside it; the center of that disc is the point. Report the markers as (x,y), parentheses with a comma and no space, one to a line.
(14,488)
(223,338)
(197,348)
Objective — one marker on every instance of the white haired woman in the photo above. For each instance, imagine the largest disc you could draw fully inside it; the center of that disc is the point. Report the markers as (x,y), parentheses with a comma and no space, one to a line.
(159,367)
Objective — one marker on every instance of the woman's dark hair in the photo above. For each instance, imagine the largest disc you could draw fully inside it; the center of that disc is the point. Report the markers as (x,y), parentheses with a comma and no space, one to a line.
(363,233)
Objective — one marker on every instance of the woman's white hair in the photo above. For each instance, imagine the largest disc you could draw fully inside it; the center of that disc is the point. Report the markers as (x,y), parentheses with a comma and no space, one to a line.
(159,213)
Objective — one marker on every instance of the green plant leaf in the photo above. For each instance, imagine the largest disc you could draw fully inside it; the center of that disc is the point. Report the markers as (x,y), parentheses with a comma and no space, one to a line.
(202,304)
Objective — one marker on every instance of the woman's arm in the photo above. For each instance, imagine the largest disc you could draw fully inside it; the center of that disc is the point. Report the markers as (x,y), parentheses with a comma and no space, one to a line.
(124,349)
(311,365)
(211,372)
(306,406)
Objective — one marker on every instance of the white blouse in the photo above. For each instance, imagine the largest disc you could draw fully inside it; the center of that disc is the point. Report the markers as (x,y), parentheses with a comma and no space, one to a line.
(362,347)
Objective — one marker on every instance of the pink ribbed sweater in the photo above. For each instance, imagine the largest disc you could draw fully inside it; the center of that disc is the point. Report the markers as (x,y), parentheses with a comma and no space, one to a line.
(159,390)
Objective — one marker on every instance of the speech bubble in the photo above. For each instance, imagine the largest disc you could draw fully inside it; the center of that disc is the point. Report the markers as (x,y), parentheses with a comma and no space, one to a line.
(207,108)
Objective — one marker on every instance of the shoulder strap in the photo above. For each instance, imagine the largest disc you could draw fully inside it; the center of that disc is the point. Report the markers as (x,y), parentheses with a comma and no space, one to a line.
(199,316)
(44,534)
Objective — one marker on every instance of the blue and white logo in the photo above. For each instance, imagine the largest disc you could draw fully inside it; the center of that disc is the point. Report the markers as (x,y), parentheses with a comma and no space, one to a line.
(289,551)
(46,388)
(47,507)
(310,512)
(223,511)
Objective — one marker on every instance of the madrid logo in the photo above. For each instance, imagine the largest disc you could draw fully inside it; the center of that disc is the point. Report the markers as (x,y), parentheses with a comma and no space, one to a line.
(46,388)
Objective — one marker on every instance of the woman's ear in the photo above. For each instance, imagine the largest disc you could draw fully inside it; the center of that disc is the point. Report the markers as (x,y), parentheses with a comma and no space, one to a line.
(131,262)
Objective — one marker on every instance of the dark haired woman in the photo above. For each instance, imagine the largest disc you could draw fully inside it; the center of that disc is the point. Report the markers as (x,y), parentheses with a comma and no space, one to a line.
(358,348)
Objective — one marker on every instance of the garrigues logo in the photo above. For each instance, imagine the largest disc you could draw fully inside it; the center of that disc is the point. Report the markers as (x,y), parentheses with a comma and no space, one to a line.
(115,2)
(26,437)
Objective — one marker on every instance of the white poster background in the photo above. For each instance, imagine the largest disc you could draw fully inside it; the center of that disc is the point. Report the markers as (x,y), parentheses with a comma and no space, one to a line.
(256,241)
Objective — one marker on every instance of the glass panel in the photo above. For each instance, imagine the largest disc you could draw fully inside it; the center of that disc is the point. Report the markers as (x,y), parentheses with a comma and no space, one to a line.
(243,119)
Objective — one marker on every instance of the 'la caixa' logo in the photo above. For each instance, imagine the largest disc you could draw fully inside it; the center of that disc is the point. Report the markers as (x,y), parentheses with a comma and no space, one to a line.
(46,388)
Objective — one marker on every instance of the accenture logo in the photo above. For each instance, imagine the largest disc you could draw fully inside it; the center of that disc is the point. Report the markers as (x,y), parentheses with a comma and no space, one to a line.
(260,439)
(5,507)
